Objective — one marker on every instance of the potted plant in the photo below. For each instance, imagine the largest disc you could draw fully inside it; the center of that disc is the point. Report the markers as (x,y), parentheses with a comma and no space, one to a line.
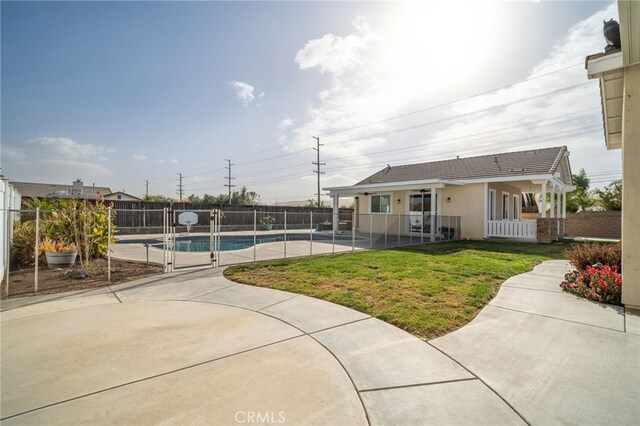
(268,222)
(59,254)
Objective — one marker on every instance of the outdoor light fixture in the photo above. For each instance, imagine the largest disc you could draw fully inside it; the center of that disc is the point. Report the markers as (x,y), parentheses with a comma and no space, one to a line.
(611,32)
(448,199)
(399,200)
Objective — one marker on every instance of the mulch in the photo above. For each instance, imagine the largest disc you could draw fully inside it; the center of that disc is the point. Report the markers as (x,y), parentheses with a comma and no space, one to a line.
(22,280)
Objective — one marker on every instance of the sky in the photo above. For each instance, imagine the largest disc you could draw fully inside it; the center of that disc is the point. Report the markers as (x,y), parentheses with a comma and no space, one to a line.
(120,93)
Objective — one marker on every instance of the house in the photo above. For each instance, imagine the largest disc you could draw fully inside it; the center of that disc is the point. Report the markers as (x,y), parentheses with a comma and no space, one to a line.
(618,71)
(51,190)
(121,196)
(475,197)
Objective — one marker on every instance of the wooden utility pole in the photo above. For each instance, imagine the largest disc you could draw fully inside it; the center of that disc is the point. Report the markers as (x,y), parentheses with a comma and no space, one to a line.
(318,163)
(229,178)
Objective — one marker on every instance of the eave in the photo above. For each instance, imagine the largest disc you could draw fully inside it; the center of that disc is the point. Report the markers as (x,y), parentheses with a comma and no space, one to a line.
(608,69)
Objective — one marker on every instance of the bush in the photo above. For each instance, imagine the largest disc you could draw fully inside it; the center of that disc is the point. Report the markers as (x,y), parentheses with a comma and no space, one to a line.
(602,285)
(588,254)
(72,222)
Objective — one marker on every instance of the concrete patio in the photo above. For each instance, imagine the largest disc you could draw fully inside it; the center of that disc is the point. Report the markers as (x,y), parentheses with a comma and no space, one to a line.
(193,347)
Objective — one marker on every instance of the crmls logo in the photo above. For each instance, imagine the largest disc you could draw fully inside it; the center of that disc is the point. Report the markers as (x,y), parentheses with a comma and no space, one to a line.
(260,417)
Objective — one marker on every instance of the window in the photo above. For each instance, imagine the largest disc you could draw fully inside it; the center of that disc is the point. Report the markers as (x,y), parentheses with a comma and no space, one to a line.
(516,202)
(119,197)
(505,206)
(492,204)
(381,204)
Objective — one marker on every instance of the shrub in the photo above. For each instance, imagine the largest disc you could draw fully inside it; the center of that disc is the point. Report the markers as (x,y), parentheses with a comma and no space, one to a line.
(587,254)
(599,284)
(72,222)
(56,247)
(267,220)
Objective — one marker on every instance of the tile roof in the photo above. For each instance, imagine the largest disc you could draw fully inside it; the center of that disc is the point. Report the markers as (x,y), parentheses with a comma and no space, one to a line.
(531,162)
(31,189)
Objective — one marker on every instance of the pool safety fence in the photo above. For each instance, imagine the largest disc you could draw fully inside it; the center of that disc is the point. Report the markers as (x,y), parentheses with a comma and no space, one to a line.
(179,238)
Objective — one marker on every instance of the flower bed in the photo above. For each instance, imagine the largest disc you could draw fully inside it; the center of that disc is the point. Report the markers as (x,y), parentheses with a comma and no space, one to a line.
(601,284)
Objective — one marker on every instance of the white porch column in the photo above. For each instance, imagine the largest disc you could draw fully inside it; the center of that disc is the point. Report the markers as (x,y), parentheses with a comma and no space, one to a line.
(543,213)
(559,212)
(552,202)
(432,237)
(336,212)
(564,203)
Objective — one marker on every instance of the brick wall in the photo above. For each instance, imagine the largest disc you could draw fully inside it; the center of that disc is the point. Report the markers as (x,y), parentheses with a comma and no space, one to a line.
(594,224)
(550,229)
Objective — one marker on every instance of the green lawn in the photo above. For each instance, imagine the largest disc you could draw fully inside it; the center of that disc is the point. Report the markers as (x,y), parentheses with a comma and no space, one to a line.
(427,290)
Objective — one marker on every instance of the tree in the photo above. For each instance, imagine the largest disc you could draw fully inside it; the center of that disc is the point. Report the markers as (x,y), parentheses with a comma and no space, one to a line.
(157,198)
(581,198)
(314,203)
(610,198)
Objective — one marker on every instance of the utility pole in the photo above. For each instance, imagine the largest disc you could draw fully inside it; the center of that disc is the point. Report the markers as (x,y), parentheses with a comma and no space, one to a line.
(318,163)
(146,191)
(229,179)
(180,188)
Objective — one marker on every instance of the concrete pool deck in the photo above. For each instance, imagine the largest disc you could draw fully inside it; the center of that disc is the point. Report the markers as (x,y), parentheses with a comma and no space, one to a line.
(194,347)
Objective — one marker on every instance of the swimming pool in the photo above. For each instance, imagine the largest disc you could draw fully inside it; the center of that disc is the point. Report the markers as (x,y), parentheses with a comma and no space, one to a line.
(239,242)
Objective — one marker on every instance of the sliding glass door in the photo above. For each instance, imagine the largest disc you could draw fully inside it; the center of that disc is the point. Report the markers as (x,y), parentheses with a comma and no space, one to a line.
(420,213)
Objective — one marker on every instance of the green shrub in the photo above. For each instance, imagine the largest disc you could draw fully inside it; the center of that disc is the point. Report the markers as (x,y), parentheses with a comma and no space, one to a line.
(71,222)
(587,254)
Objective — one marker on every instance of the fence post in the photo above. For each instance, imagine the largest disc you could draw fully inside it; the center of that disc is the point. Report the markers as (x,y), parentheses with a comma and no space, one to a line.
(285,234)
(37,248)
(311,233)
(353,231)
(399,228)
(8,252)
(386,223)
(255,230)
(333,238)
(422,226)
(109,246)
(370,230)
(164,238)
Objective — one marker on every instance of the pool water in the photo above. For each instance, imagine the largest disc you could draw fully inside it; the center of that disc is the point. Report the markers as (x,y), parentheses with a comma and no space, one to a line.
(229,243)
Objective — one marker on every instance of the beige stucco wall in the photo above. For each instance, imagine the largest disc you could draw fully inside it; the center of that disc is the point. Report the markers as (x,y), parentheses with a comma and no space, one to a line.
(467,202)
(631,187)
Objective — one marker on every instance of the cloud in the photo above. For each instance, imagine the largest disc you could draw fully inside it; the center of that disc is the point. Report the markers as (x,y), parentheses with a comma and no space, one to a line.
(243,91)
(56,171)
(334,54)
(285,124)
(64,148)
(12,153)
(366,87)
(139,157)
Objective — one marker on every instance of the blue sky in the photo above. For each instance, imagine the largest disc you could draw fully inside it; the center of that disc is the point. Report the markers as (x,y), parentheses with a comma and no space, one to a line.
(116,93)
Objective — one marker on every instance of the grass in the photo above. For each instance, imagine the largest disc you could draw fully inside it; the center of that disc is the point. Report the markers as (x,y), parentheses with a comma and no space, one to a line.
(427,290)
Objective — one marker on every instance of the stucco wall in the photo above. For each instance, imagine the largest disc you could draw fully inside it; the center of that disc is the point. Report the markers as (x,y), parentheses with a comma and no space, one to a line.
(467,202)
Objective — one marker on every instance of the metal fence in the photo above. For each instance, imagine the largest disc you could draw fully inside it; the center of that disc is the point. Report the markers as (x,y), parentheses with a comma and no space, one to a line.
(218,238)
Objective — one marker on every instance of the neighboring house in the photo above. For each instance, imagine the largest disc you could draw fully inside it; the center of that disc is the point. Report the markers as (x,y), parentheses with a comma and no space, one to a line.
(49,190)
(619,74)
(481,196)
(121,196)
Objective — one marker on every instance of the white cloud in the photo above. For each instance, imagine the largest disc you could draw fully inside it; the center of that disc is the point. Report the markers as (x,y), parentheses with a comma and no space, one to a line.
(243,91)
(368,85)
(285,123)
(56,171)
(335,54)
(65,148)
(139,157)
(12,153)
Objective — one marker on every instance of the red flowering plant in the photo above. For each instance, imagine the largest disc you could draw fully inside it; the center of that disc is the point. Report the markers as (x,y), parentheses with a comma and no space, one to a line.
(599,283)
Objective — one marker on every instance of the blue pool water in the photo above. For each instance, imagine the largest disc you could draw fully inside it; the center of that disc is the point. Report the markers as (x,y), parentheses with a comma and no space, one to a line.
(229,243)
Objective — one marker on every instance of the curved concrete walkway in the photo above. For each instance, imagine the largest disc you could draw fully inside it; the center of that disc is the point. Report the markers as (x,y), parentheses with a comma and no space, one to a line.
(196,348)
